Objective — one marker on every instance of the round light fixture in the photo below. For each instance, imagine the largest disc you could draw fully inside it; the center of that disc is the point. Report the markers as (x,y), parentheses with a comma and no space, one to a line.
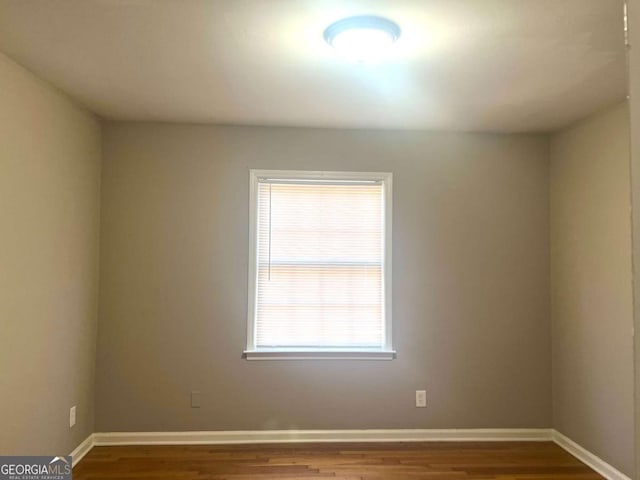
(364,38)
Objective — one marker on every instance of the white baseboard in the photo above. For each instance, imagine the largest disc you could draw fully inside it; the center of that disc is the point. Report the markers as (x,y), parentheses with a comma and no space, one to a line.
(82,449)
(585,456)
(299,436)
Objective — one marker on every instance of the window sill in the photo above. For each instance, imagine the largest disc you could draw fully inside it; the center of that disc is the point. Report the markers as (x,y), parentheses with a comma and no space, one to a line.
(300,354)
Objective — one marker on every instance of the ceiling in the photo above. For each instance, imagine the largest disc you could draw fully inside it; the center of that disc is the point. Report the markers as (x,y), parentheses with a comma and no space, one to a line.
(483,65)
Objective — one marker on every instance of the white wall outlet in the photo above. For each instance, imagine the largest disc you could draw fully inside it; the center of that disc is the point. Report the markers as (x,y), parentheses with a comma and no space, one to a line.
(195,399)
(421,398)
(72,416)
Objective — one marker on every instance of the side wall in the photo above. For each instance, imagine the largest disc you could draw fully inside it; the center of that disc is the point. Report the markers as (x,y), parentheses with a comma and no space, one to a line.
(50,156)
(591,288)
(634,102)
(471,283)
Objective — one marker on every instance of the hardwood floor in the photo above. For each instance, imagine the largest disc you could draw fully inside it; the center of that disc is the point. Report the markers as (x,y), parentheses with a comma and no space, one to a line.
(341,461)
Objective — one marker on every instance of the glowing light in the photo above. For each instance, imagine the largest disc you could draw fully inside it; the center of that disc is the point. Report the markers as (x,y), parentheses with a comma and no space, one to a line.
(364,38)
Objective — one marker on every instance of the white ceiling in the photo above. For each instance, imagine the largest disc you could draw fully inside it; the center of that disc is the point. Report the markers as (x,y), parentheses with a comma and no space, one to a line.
(486,65)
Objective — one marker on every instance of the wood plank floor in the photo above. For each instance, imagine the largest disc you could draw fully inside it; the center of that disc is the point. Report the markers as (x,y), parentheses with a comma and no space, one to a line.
(341,461)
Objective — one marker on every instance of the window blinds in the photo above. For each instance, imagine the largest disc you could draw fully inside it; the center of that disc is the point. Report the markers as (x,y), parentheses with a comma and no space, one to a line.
(320,264)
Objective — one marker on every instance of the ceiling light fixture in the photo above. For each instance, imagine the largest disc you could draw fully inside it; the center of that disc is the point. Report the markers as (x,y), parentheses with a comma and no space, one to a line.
(364,38)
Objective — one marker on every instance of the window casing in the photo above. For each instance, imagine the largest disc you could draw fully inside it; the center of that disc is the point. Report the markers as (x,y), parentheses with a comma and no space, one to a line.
(319,265)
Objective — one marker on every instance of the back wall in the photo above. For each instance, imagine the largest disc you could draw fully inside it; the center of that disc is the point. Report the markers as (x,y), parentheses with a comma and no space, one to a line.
(470,282)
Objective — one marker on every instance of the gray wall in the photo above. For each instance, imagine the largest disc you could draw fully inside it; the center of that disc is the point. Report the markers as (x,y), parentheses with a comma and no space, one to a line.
(471,282)
(49,221)
(591,286)
(634,83)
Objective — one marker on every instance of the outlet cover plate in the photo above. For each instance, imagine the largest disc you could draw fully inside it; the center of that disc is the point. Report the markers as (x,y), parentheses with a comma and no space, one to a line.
(72,416)
(195,399)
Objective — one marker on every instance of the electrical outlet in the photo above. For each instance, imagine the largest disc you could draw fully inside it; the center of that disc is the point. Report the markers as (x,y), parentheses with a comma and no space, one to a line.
(195,399)
(72,417)
(421,398)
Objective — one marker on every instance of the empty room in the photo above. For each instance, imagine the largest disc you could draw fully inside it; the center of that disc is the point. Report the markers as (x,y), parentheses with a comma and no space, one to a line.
(319,239)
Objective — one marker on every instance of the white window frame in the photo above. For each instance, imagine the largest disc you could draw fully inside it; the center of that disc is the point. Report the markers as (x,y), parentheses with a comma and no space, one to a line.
(253,353)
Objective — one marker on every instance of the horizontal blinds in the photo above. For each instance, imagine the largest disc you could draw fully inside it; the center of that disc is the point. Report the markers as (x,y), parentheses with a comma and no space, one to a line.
(320,264)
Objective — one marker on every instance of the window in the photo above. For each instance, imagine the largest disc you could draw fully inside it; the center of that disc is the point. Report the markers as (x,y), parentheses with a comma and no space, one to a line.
(319,265)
